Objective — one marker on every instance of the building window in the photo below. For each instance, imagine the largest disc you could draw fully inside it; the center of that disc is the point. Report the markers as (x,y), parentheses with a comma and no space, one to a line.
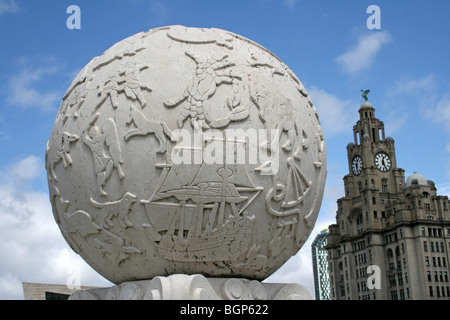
(394,295)
(427,261)
(359,220)
(425,246)
(431,291)
(429,276)
(384,185)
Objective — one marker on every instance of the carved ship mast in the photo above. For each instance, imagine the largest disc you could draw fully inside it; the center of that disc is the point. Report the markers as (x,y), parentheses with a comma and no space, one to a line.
(210,221)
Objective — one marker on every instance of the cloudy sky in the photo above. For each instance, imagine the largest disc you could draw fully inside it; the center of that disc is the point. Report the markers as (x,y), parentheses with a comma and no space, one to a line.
(327,44)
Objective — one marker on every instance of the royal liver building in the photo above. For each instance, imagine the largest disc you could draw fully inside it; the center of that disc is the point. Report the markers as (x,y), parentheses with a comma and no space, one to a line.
(391,239)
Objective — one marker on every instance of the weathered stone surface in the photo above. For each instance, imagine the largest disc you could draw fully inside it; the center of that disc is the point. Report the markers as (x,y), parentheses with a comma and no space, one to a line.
(186,151)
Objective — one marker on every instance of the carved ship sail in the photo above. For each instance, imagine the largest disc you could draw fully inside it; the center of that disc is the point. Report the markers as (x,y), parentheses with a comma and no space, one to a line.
(208,220)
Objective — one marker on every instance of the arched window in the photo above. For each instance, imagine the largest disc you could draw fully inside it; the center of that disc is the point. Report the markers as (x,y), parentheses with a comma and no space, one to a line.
(359,220)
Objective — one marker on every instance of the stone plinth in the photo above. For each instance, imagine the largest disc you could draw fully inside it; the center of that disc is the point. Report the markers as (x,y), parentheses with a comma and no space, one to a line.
(196,287)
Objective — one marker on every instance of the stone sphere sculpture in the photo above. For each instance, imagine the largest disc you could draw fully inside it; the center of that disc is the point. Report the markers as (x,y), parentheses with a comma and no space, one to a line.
(186,151)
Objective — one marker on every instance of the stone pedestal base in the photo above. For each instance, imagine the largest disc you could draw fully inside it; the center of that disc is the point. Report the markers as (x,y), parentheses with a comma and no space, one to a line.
(196,287)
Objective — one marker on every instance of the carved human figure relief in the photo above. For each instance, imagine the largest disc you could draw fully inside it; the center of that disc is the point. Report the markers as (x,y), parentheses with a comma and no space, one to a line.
(126,79)
(277,112)
(106,151)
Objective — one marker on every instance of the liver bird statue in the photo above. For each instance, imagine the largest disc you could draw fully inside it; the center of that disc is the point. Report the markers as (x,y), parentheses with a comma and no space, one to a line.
(364,94)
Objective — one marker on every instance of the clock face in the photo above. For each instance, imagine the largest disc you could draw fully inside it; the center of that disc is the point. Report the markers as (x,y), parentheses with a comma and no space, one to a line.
(383,162)
(357,164)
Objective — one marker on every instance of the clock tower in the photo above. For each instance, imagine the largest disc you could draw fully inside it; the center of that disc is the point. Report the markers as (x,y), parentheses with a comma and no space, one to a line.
(372,163)
(391,239)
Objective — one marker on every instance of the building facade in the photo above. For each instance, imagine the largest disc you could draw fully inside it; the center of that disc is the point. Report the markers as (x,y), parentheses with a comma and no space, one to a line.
(391,239)
(320,266)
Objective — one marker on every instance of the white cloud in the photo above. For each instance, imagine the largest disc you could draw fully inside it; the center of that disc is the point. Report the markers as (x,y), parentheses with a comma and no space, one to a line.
(20,174)
(363,53)
(8,6)
(336,115)
(27,168)
(24,86)
(31,245)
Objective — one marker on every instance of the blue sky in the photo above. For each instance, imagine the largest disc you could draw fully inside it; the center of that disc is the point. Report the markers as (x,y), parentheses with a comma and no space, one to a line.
(327,44)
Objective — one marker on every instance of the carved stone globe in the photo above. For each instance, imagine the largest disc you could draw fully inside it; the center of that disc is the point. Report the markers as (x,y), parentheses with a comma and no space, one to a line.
(183,151)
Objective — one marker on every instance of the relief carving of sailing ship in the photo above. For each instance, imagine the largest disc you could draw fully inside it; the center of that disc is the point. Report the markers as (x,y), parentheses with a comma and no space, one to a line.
(200,211)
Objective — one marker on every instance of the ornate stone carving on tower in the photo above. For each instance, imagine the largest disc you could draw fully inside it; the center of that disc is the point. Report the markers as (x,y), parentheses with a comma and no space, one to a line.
(186,151)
